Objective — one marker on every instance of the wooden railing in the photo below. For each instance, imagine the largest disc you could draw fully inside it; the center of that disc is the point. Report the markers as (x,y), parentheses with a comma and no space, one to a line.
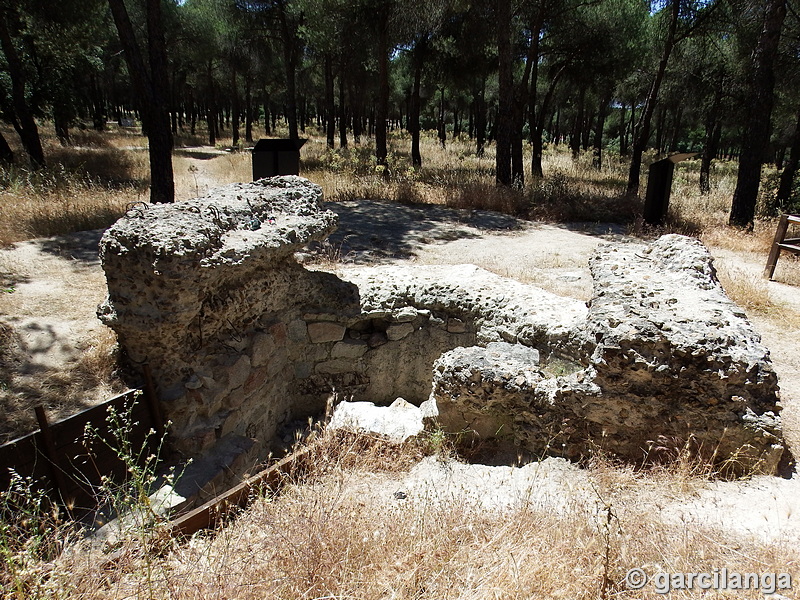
(782,243)
(69,458)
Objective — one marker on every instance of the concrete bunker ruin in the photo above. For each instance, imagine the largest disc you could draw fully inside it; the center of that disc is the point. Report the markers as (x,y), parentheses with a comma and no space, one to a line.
(242,339)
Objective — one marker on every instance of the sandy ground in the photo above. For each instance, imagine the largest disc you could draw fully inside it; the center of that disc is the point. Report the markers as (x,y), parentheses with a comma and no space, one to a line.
(764,509)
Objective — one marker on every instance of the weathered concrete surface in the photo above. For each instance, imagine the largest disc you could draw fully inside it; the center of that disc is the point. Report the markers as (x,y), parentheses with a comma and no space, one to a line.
(242,339)
(680,358)
(208,293)
(455,306)
(471,299)
(673,363)
(481,389)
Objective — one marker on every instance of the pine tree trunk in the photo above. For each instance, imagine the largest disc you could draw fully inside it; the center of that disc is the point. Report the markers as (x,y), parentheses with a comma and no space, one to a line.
(98,122)
(762,84)
(356,109)
(641,133)
(676,129)
(211,107)
(556,129)
(290,69)
(442,133)
(602,112)
(267,129)
(192,116)
(538,135)
(577,126)
(586,133)
(471,121)
(161,142)
(330,107)
(415,105)
(713,132)
(301,119)
(480,120)
(505,109)
(248,115)
(151,90)
(660,122)
(27,130)
(520,101)
(61,124)
(382,109)
(6,154)
(235,116)
(342,113)
(789,169)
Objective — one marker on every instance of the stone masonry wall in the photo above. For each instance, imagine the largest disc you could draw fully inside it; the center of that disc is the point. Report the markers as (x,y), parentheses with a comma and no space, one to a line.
(669,364)
(208,293)
(242,339)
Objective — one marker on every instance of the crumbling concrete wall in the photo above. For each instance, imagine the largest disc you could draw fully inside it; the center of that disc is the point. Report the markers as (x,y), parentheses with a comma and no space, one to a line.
(463,305)
(673,364)
(208,293)
(242,339)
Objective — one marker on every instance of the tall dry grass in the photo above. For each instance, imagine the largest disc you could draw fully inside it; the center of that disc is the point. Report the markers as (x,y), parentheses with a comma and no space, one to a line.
(455,176)
(82,188)
(341,531)
(89,184)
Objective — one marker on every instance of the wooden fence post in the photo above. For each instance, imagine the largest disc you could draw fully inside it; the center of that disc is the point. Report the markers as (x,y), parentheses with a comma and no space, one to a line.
(781,242)
(49,450)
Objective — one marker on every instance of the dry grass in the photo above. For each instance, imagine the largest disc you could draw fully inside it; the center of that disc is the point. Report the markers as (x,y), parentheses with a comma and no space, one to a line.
(748,291)
(30,209)
(91,377)
(89,184)
(81,189)
(340,532)
(457,177)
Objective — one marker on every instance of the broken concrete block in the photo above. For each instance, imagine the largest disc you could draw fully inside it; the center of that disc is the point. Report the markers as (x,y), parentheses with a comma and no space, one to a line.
(672,364)
(396,423)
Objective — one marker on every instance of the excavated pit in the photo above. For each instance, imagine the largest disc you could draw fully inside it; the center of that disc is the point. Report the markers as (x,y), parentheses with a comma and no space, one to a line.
(242,340)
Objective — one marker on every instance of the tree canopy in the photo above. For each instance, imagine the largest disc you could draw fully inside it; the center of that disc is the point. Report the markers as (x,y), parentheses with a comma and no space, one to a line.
(718,77)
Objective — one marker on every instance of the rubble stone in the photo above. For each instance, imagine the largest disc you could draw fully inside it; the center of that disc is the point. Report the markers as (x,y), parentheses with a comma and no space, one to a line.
(672,364)
(241,338)
(325,332)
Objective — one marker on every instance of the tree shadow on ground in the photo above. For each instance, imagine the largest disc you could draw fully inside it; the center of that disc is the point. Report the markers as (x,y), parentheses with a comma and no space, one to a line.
(609,231)
(200,153)
(371,231)
(40,367)
(81,246)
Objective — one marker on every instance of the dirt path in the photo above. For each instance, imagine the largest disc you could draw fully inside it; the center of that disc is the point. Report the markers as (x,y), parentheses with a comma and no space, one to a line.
(51,288)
